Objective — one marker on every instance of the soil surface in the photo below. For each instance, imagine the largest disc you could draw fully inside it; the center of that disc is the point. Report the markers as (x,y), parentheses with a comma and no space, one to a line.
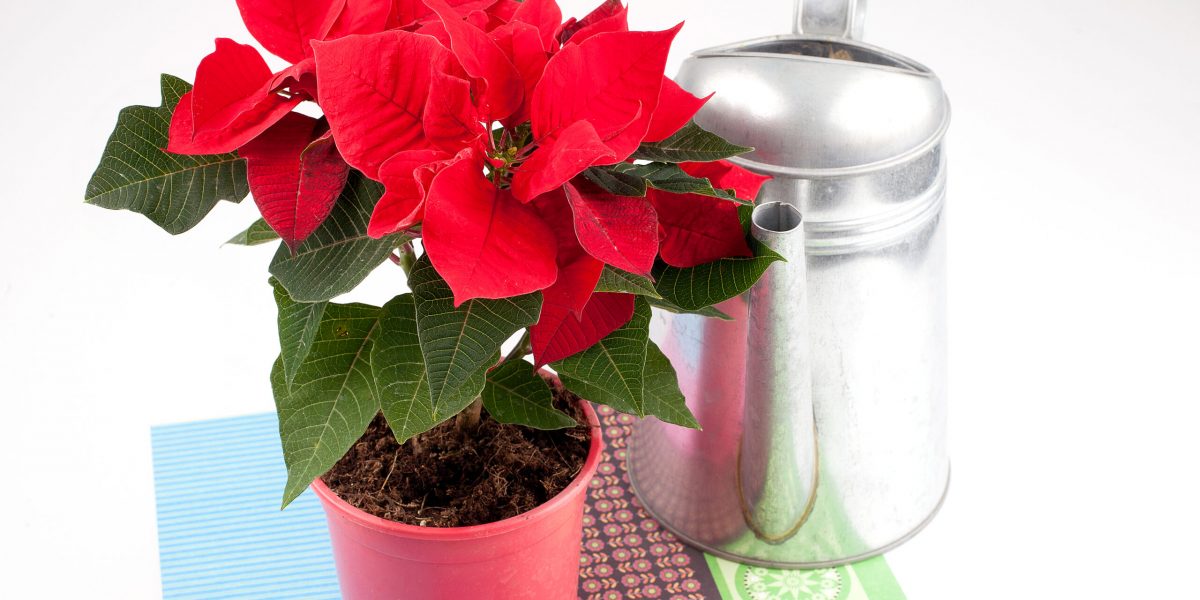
(456,480)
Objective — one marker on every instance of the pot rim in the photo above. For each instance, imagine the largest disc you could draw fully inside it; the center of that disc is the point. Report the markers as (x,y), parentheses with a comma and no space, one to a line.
(474,532)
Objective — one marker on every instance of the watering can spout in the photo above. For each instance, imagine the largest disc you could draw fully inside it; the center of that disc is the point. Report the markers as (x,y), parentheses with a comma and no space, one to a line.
(778,466)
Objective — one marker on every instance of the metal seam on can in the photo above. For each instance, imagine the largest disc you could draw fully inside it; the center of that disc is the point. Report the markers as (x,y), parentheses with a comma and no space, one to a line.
(878,235)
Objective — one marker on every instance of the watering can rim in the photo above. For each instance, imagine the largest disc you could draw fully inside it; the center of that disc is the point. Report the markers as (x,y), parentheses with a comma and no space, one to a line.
(907,67)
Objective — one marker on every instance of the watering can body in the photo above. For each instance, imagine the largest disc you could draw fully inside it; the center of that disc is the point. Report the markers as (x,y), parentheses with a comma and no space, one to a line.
(823,399)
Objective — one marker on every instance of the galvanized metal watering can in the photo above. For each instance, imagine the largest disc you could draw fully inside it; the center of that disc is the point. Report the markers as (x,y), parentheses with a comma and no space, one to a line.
(823,402)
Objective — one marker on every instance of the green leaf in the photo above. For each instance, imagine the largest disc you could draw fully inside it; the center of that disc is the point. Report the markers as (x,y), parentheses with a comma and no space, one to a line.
(258,233)
(701,286)
(332,398)
(663,398)
(339,254)
(298,324)
(616,280)
(616,182)
(671,178)
(460,344)
(628,372)
(172,190)
(707,311)
(690,144)
(745,213)
(399,371)
(610,372)
(515,393)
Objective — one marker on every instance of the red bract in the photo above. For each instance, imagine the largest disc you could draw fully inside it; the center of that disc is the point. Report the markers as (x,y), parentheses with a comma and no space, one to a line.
(522,43)
(697,229)
(500,91)
(675,108)
(611,81)
(726,175)
(566,155)
(407,177)
(238,104)
(376,89)
(482,241)
(563,330)
(230,104)
(453,122)
(578,271)
(284,27)
(407,13)
(543,15)
(295,175)
(619,230)
(359,16)
(611,15)
(560,334)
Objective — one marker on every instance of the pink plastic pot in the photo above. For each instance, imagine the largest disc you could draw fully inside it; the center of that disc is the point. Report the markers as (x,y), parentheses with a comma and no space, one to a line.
(533,555)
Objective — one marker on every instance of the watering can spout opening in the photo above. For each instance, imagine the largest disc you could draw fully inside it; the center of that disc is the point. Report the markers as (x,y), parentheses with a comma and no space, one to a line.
(776,217)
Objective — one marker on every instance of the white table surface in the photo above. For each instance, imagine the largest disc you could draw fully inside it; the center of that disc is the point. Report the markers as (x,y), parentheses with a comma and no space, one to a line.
(1074,291)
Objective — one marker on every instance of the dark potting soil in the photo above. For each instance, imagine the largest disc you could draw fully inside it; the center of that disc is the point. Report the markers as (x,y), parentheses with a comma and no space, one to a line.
(497,472)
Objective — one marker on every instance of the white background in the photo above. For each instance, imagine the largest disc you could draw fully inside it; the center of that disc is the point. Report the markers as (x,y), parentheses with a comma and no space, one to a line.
(1074,291)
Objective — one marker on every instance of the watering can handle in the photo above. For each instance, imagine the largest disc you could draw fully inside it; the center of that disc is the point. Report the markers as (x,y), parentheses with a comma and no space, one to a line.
(839,18)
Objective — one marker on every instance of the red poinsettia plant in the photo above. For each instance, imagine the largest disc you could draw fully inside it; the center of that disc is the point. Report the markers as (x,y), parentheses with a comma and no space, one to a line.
(526,172)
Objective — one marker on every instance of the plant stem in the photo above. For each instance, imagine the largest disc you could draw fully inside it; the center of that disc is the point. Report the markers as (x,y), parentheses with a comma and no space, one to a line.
(408,257)
(523,347)
(468,420)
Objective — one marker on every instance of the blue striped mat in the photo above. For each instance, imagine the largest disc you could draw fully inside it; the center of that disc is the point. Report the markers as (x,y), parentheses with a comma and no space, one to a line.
(220,531)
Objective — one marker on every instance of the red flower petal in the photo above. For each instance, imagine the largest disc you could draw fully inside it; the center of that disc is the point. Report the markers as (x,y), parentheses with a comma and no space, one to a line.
(230,104)
(451,121)
(374,90)
(611,15)
(622,231)
(435,30)
(724,174)
(559,334)
(578,272)
(574,149)
(360,16)
(300,78)
(227,81)
(409,12)
(612,81)
(542,14)
(502,90)
(675,108)
(480,19)
(406,177)
(697,229)
(522,43)
(295,176)
(504,10)
(285,27)
(481,240)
